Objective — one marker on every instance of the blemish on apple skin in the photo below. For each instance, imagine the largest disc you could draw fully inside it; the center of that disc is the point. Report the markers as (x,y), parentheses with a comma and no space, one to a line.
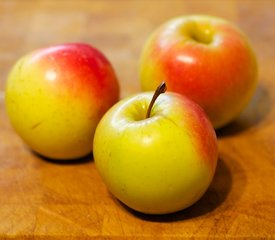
(34,126)
(123,189)
(20,67)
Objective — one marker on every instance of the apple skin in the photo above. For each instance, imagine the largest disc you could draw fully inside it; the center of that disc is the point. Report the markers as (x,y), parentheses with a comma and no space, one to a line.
(204,58)
(55,97)
(160,164)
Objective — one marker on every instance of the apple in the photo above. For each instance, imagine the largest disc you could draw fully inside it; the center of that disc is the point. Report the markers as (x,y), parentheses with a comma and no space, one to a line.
(156,158)
(55,97)
(205,58)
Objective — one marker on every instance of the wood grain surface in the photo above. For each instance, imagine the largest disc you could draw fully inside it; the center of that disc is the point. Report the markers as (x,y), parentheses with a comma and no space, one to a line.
(40,199)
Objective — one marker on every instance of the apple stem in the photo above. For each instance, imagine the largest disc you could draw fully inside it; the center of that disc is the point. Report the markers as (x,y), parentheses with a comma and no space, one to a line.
(161,89)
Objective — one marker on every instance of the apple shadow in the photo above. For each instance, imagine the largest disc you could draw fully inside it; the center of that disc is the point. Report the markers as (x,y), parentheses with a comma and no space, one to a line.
(216,194)
(253,114)
(86,159)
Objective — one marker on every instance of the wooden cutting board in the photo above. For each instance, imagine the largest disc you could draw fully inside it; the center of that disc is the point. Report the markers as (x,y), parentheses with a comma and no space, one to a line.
(40,199)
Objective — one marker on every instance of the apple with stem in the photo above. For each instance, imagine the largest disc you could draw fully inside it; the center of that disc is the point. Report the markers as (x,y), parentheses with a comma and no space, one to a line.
(204,58)
(157,153)
(55,97)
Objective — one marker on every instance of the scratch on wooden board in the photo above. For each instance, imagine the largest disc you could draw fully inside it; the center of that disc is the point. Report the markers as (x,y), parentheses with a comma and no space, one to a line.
(2,95)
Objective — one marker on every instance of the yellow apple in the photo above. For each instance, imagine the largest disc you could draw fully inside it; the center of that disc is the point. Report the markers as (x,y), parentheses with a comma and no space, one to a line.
(159,162)
(55,97)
